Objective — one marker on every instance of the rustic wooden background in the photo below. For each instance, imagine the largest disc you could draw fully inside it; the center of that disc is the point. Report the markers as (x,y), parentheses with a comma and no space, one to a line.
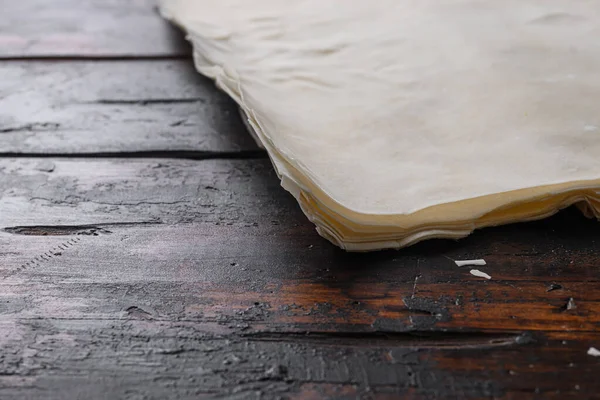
(148,252)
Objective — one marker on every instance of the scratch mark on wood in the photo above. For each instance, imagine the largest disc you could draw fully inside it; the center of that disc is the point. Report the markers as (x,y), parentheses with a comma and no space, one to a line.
(415,286)
(37,260)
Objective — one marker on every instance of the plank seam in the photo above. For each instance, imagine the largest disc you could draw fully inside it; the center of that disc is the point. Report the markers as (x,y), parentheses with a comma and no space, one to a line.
(150,154)
(94,57)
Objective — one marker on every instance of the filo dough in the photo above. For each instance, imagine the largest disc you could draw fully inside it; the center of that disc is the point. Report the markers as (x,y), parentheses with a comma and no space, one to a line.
(394,121)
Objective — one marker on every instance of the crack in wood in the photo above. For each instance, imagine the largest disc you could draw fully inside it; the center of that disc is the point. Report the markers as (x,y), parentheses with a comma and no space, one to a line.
(138,313)
(417,339)
(56,230)
(64,230)
(33,127)
(75,200)
(137,203)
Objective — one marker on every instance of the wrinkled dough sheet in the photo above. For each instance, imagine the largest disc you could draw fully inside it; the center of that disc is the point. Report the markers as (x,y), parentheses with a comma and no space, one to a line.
(395,121)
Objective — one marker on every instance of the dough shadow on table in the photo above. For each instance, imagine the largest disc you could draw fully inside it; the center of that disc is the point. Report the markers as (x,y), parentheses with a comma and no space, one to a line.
(219,110)
(175,36)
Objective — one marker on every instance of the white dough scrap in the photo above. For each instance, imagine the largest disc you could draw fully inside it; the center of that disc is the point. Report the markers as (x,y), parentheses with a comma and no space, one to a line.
(480,274)
(462,263)
(396,121)
(592,351)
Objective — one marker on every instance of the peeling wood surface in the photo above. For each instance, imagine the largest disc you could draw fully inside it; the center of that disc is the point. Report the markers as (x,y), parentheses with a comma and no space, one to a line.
(86,28)
(82,107)
(147,250)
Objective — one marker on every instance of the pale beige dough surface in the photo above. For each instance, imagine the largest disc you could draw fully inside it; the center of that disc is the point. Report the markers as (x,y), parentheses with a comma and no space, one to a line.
(392,121)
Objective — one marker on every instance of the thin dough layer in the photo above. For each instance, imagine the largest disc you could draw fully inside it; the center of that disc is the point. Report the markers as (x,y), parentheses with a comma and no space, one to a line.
(394,121)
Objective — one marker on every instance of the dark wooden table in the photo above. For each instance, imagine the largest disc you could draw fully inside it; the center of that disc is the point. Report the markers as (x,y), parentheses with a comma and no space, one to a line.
(148,252)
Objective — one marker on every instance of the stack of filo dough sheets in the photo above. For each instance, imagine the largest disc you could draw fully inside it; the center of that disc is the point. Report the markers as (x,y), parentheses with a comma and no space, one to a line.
(395,121)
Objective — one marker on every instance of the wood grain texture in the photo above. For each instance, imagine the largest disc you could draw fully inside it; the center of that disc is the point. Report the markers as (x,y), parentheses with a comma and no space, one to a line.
(86,28)
(119,107)
(177,279)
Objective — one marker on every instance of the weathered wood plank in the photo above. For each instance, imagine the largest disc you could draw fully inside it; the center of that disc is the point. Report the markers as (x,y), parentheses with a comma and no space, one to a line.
(139,357)
(96,28)
(229,269)
(227,222)
(91,107)
(202,278)
(97,191)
